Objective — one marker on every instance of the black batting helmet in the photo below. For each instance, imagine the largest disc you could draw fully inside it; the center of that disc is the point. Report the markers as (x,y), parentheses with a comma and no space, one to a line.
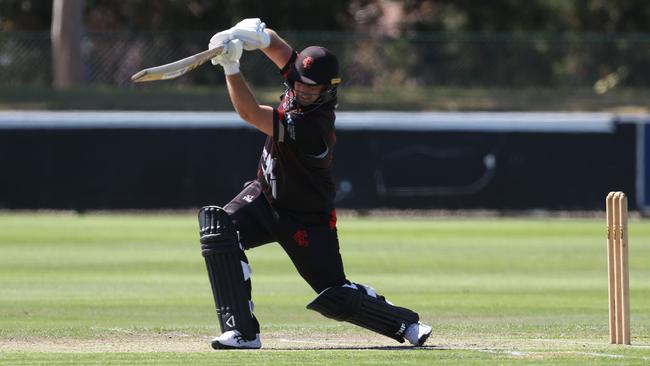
(317,65)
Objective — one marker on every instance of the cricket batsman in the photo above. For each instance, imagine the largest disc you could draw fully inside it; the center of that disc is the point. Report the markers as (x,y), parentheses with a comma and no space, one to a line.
(292,199)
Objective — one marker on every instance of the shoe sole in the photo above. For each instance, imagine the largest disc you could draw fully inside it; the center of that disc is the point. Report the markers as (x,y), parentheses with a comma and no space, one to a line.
(217,346)
(423,339)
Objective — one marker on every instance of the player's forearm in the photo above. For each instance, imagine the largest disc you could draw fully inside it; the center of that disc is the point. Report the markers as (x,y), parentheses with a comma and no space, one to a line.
(246,105)
(279,51)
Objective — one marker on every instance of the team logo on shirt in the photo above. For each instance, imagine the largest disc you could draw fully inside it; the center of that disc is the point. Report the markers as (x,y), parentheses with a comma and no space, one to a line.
(248,198)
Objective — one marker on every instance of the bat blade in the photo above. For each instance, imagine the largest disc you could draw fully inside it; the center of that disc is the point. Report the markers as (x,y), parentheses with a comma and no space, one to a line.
(177,68)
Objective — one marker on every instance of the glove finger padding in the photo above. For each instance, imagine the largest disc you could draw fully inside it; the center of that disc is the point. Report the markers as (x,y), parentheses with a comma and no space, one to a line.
(219,39)
(232,52)
(229,59)
(251,23)
(252,33)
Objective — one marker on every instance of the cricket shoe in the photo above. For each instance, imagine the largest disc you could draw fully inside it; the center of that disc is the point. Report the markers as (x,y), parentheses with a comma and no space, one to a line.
(417,333)
(232,339)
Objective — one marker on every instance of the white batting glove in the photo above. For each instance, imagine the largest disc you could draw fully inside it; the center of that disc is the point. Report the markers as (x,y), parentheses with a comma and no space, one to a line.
(229,59)
(220,39)
(251,32)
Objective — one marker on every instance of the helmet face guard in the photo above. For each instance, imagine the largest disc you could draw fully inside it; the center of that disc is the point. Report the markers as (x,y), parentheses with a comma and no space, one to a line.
(328,93)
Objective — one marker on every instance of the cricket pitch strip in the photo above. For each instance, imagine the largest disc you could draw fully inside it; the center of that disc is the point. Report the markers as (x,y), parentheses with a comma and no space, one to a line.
(180,342)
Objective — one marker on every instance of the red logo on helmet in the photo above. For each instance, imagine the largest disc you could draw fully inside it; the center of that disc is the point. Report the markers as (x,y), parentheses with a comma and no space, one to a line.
(301,238)
(307,62)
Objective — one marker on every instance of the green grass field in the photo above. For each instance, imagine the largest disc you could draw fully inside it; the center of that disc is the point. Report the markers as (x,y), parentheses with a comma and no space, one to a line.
(132,289)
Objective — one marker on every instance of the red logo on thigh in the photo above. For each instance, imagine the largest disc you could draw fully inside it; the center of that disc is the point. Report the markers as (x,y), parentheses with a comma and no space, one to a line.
(301,238)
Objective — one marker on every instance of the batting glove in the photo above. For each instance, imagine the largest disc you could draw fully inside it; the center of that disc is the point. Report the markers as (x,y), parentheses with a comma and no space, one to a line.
(229,59)
(220,39)
(251,32)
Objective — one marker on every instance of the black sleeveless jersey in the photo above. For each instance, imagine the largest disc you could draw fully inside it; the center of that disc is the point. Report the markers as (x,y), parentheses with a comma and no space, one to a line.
(295,169)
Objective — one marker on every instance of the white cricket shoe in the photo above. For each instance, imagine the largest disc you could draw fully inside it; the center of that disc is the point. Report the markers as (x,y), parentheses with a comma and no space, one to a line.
(417,333)
(232,339)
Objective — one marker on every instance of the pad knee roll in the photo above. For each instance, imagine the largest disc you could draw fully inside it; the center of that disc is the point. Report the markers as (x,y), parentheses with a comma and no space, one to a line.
(354,304)
(216,227)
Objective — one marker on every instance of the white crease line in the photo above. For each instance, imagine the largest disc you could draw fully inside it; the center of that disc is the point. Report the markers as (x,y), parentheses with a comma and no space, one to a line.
(596,354)
(492,351)
(499,352)
(524,354)
(568,341)
(517,353)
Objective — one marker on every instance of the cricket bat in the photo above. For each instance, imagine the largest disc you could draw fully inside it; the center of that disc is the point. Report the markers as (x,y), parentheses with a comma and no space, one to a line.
(177,68)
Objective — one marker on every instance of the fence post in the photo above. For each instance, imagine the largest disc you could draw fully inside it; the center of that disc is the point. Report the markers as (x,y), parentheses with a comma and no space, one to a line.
(66,42)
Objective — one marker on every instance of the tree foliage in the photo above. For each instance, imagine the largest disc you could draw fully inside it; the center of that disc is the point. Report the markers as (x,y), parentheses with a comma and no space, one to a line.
(335,15)
(25,15)
(527,16)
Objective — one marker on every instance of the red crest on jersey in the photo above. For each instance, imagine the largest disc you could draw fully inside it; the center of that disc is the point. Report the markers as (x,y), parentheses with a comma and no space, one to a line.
(307,62)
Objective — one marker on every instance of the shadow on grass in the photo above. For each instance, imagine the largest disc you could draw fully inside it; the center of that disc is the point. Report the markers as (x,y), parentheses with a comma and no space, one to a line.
(360,348)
